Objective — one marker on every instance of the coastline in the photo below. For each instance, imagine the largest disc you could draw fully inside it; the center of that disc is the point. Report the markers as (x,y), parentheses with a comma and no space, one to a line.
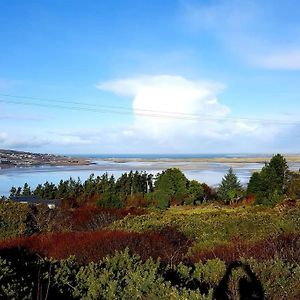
(20,159)
(229,160)
(208,170)
(11,159)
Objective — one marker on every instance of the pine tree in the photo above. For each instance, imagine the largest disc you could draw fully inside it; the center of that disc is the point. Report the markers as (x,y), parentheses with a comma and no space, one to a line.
(13,192)
(270,185)
(230,188)
(26,190)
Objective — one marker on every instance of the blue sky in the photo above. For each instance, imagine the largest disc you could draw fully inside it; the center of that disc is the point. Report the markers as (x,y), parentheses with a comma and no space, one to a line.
(223,67)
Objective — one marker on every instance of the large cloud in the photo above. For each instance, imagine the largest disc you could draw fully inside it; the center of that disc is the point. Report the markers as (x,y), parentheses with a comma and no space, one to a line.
(174,113)
(160,103)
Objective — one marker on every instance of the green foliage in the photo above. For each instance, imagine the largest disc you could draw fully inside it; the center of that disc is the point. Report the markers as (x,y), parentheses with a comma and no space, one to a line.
(126,276)
(293,185)
(270,184)
(12,285)
(110,200)
(123,276)
(230,188)
(16,219)
(26,190)
(280,279)
(195,193)
(170,186)
(279,164)
(209,226)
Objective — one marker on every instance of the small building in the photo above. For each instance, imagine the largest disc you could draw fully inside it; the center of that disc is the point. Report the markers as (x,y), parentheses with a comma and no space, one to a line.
(53,203)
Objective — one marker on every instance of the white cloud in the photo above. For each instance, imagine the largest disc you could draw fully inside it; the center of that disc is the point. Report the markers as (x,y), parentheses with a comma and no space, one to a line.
(165,99)
(181,115)
(21,141)
(63,140)
(171,114)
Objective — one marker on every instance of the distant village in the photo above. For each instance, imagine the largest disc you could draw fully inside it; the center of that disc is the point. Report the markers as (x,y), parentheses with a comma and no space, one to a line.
(15,159)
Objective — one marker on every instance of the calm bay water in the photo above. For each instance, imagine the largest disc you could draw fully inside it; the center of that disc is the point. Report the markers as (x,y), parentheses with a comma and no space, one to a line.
(210,173)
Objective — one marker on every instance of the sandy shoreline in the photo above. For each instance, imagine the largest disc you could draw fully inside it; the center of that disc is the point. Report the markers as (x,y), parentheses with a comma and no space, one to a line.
(229,160)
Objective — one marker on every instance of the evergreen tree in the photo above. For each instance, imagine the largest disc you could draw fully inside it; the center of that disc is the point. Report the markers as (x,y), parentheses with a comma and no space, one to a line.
(13,192)
(230,188)
(280,166)
(39,191)
(26,190)
(19,191)
(196,192)
(270,185)
(171,185)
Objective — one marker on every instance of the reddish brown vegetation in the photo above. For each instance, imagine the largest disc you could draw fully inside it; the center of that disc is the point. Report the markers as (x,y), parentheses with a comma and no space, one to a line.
(92,218)
(209,193)
(168,244)
(81,219)
(248,200)
(136,200)
(287,204)
(285,246)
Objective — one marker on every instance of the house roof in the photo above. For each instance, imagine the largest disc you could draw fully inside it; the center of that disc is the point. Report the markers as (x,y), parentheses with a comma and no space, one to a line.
(35,200)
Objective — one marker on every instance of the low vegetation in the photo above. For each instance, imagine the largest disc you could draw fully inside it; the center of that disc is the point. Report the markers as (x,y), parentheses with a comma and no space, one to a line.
(141,237)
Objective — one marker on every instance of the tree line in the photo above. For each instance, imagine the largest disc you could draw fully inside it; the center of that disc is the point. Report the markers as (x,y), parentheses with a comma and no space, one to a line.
(130,189)
(171,187)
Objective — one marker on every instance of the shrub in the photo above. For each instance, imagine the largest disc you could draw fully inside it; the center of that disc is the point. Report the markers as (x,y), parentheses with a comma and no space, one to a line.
(284,246)
(168,244)
(93,218)
(16,219)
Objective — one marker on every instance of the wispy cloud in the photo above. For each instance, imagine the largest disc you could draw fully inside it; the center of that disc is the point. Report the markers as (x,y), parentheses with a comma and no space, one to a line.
(18,117)
(254,30)
(285,59)
(18,141)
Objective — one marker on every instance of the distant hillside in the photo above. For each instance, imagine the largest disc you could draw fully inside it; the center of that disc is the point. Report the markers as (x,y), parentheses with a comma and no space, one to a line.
(12,158)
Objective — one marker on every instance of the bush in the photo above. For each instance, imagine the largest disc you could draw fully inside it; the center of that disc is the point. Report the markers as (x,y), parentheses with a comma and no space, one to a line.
(168,244)
(16,219)
(284,246)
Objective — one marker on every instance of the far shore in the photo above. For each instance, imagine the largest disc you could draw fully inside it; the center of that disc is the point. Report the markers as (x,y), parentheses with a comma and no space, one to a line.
(229,160)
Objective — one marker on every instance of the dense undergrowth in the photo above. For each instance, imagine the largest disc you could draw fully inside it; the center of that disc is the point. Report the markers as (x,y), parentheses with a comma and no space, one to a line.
(126,276)
(179,253)
(211,226)
(167,244)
